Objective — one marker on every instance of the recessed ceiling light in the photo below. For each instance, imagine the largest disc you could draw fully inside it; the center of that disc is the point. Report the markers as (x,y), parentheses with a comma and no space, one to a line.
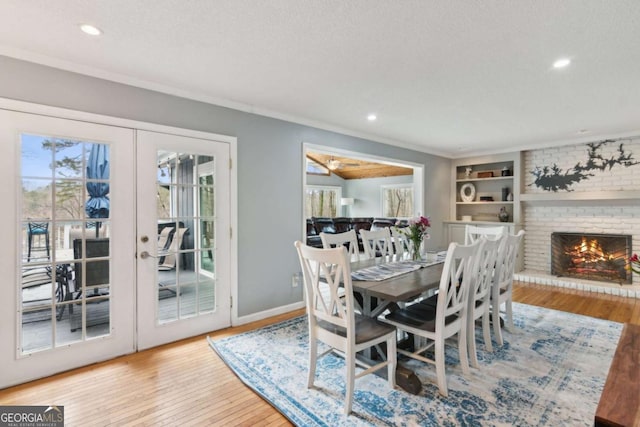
(561,63)
(90,29)
(372,117)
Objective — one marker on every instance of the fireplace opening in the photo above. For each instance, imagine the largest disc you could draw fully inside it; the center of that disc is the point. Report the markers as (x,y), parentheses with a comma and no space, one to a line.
(601,257)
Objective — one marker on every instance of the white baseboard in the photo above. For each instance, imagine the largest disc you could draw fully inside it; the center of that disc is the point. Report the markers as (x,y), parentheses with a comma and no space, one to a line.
(268,313)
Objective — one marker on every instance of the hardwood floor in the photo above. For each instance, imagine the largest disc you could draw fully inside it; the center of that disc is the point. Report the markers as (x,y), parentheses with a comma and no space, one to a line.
(187,384)
(608,307)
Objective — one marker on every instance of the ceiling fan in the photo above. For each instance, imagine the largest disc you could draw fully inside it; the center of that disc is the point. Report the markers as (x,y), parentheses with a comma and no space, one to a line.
(333,164)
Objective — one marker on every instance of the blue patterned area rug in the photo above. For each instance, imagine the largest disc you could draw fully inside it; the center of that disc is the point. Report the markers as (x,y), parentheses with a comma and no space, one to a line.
(549,373)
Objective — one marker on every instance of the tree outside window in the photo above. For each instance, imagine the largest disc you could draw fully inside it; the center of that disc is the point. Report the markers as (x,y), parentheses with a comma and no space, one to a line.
(397,201)
(322,201)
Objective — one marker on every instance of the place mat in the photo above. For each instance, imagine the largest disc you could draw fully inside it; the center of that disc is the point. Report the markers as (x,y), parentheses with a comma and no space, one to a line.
(388,270)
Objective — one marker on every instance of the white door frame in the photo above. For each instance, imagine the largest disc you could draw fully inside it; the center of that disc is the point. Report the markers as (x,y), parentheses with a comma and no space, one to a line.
(62,113)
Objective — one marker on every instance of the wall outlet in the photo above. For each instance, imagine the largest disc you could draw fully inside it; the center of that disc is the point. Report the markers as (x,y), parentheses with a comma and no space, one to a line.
(295,280)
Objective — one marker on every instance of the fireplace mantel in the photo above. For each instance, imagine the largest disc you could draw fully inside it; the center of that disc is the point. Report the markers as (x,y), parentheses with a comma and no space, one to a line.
(582,197)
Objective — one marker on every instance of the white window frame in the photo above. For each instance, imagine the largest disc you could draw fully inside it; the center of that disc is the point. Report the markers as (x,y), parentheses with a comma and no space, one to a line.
(384,188)
(335,188)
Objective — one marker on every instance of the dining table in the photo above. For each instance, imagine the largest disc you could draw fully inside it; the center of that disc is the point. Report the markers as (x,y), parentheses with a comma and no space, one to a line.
(385,282)
(378,293)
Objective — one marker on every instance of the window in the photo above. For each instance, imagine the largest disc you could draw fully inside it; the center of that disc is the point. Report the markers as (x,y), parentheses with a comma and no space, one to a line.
(397,201)
(322,201)
(315,168)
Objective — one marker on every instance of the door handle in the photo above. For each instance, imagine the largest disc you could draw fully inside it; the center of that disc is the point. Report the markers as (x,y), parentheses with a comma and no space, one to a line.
(145,255)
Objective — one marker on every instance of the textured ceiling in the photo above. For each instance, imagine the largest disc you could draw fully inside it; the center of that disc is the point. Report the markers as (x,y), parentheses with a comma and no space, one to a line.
(448,77)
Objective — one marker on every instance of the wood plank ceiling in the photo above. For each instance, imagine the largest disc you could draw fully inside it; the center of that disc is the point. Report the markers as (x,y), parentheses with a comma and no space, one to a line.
(348,168)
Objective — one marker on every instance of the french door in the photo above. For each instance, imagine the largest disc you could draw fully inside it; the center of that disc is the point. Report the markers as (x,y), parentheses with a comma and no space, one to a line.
(114,240)
(67,254)
(183,237)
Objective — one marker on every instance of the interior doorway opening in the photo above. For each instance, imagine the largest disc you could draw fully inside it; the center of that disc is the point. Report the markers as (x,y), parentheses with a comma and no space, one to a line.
(357,187)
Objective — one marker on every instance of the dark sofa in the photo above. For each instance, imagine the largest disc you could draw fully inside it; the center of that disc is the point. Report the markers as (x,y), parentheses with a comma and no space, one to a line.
(317,225)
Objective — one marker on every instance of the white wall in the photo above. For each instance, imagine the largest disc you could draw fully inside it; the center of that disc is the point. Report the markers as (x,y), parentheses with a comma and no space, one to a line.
(367,193)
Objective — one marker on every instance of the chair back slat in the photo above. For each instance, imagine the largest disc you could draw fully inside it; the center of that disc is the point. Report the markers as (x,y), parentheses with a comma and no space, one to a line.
(457,276)
(325,271)
(485,270)
(473,232)
(347,239)
(401,243)
(506,260)
(377,242)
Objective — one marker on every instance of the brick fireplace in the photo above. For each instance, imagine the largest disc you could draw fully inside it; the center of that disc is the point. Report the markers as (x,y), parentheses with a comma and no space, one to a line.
(607,202)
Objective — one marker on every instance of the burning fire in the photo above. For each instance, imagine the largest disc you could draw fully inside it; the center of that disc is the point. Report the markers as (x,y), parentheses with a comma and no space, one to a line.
(589,251)
(594,257)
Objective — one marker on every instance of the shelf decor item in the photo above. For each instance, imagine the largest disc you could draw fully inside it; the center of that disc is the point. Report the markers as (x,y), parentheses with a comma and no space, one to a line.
(503,216)
(485,174)
(468,192)
(467,172)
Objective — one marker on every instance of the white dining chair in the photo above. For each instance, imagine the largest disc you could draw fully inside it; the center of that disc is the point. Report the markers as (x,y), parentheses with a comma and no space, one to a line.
(377,242)
(474,232)
(348,239)
(332,318)
(436,323)
(480,296)
(401,243)
(502,286)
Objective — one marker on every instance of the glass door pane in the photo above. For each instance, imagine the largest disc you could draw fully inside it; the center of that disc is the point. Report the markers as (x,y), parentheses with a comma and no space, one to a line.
(185,235)
(64,292)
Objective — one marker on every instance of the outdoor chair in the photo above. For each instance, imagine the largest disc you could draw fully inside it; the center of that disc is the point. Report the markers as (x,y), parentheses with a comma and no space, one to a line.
(35,276)
(91,278)
(164,237)
(169,261)
(332,318)
(38,230)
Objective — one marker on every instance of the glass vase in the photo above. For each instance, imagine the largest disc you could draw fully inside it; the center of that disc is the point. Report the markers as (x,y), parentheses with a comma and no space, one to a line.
(415,250)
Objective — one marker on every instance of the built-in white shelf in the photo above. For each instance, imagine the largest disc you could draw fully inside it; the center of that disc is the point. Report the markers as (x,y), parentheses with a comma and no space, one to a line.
(494,178)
